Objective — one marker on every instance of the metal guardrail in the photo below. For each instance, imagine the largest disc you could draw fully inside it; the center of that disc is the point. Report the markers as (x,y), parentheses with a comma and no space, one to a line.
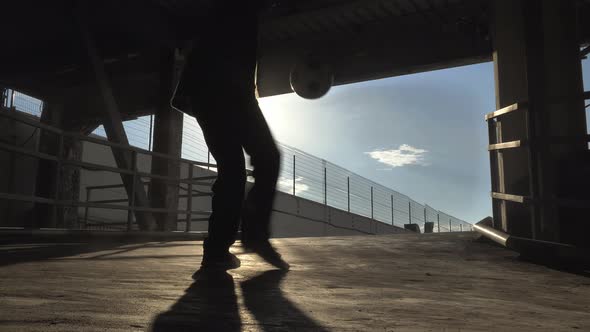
(195,194)
(111,204)
(61,160)
(305,176)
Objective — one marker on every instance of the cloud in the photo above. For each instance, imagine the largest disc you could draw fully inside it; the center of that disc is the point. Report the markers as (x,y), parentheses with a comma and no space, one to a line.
(286,185)
(404,156)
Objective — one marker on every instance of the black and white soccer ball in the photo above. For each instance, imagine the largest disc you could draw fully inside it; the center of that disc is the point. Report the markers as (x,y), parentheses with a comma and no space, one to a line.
(311,79)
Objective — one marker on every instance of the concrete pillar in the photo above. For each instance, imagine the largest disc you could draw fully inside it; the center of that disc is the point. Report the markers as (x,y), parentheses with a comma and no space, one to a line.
(168,124)
(68,188)
(566,174)
(45,187)
(536,59)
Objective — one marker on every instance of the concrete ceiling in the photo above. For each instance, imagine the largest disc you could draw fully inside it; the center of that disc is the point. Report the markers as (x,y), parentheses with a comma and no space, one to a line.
(361,39)
(373,39)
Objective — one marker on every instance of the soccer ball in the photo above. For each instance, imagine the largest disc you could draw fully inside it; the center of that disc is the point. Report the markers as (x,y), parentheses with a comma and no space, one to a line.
(311,79)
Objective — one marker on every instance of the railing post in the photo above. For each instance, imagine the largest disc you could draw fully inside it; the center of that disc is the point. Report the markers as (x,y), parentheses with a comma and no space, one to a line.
(450,225)
(131,210)
(87,209)
(208,159)
(348,191)
(12,97)
(410,212)
(325,186)
(57,175)
(294,177)
(438,220)
(392,214)
(151,132)
(425,221)
(372,216)
(461,227)
(3,92)
(189,202)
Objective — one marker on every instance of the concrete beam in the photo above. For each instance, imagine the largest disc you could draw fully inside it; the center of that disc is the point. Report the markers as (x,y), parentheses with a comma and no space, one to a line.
(391,48)
(113,126)
(168,124)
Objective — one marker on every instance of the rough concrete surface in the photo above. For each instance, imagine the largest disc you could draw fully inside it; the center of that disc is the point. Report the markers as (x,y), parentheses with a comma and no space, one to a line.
(369,283)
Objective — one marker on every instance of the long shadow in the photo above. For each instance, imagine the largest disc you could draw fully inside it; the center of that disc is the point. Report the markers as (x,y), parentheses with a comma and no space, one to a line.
(273,311)
(16,253)
(209,304)
(579,268)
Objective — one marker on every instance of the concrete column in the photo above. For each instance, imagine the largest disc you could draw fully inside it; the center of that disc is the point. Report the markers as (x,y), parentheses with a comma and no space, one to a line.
(45,183)
(510,70)
(168,124)
(68,188)
(565,173)
(536,59)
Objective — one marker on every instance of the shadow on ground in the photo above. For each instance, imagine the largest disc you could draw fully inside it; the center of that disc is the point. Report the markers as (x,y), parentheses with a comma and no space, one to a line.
(211,304)
(34,252)
(273,311)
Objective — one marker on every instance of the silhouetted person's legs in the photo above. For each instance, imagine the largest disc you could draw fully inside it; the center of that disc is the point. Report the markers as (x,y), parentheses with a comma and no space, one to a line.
(219,79)
(230,126)
(222,134)
(265,158)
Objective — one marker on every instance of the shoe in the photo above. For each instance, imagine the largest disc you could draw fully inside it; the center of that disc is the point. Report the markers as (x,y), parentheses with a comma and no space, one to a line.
(222,261)
(265,250)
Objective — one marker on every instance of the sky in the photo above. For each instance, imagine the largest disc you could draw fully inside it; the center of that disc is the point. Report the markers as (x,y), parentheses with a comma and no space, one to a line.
(423,135)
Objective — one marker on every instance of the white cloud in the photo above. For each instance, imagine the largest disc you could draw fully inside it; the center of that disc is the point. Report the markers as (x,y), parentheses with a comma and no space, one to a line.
(286,185)
(404,156)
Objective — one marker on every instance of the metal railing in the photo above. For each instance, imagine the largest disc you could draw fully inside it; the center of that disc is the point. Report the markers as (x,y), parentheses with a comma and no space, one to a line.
(307,176)
(312,178)
(62,161)
(86,221)
(187,185)
(13,99)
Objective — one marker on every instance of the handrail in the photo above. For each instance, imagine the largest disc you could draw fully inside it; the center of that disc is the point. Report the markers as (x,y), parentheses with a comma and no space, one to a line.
(535,249)
(508,109)
(310,192)
(111,203)
(38,124)
(525,104)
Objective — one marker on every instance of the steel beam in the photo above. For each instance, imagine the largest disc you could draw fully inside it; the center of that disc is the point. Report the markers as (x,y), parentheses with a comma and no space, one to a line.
(113,124)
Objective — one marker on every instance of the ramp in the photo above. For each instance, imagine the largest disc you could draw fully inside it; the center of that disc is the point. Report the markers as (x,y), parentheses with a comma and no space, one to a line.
(365,283)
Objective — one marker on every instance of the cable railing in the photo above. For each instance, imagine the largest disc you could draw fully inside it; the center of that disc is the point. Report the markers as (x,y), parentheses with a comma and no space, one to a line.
(119,197)
(305,176)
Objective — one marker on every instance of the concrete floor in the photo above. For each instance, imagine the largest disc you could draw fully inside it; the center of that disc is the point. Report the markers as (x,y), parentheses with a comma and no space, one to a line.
(375,283)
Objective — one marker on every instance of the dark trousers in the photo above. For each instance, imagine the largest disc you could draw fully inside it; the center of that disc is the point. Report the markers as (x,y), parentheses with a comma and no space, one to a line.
(233,123)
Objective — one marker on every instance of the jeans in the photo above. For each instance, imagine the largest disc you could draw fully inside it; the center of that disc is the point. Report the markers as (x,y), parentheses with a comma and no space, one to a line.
(233,124)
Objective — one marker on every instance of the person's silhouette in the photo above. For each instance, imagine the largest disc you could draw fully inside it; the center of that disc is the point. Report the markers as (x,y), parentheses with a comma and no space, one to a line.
(219,81)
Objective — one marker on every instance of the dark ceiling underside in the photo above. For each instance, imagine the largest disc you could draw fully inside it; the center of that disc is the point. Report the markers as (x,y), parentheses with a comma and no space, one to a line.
(375,39)
(362,39)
